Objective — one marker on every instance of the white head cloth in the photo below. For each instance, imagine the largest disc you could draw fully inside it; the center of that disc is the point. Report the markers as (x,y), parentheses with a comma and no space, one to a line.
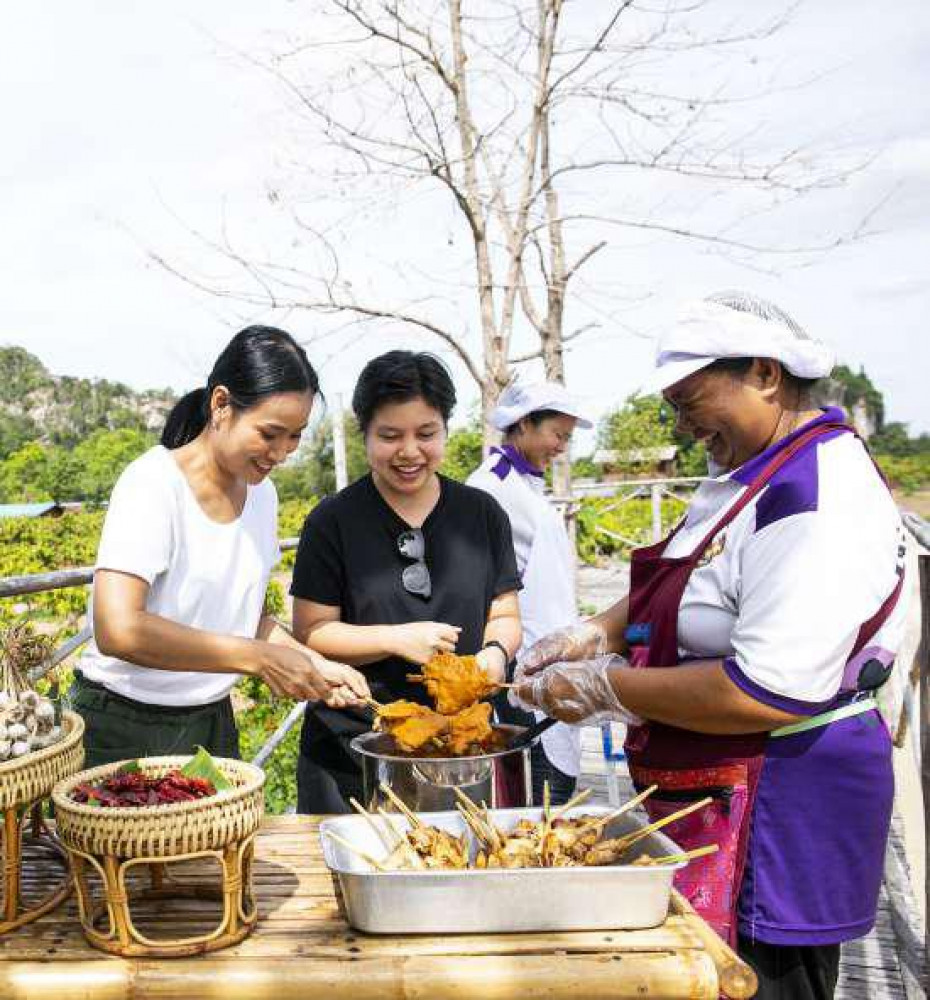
(735,325)
(518,400)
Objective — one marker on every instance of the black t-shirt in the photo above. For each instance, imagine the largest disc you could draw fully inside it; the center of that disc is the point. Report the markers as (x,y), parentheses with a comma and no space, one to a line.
(348,557)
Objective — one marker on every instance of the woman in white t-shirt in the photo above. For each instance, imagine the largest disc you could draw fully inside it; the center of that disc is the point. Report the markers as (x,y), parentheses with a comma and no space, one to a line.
(537,421)
(187,549)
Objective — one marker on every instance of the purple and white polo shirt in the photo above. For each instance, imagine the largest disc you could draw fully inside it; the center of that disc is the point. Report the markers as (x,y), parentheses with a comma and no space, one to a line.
(781,595)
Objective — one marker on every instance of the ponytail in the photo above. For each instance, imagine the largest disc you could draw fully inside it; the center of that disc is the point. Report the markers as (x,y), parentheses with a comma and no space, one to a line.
(258,362)
(186,420)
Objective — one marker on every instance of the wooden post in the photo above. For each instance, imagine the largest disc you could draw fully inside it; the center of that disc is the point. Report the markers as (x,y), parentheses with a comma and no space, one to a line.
(923,656)
(339,443)
(656,491)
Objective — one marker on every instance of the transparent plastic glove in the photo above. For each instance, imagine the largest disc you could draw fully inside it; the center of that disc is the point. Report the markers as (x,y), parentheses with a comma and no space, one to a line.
(578,693)
(583,641)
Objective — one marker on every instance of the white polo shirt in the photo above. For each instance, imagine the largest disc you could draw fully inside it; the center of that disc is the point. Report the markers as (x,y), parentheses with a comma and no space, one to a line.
(785,588)
(547,569)
(206,575)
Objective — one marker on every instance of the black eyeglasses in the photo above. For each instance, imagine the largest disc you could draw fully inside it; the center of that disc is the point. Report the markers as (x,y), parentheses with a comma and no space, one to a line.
(415,578)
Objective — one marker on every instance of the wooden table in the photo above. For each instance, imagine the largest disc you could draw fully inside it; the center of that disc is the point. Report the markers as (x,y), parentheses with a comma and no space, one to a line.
(302,947)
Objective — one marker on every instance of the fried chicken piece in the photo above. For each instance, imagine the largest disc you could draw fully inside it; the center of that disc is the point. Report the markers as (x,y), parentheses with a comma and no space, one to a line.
(468,728)
(411,725)
(607,852)
(455,682)
(515,852)
(438,848)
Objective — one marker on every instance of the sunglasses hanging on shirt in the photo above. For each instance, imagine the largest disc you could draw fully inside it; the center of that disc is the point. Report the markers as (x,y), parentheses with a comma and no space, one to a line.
(415,578)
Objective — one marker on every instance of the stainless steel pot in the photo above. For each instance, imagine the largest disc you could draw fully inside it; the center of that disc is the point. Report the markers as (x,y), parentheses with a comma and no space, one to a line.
(501,779)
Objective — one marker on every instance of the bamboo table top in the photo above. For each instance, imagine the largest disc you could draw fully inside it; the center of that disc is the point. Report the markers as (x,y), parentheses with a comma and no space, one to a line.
(302,947)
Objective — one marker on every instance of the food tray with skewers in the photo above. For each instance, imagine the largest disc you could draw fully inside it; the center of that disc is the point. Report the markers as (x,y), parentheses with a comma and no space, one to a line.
(503,871)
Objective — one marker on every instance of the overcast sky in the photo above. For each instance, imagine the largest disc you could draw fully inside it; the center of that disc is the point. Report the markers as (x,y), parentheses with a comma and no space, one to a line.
(125,124)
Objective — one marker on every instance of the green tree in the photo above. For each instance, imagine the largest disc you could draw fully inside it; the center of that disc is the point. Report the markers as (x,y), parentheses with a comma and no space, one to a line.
(24,476)
(100,458)
(312,471)
(20,374)
(859,387)
(649,422)
(16,429)
(463,452)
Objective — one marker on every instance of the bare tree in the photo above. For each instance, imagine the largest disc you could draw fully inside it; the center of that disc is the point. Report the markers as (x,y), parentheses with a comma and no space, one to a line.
(532,117)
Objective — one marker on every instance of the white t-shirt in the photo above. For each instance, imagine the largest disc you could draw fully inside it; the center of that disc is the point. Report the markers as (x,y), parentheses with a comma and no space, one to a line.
(203,574)
(785,588)
(547,569)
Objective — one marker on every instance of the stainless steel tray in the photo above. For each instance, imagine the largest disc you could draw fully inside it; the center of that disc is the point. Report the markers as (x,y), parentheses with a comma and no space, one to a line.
(497,901)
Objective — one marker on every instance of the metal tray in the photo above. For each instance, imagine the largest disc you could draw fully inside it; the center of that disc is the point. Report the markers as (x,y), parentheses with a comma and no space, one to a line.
(498,901)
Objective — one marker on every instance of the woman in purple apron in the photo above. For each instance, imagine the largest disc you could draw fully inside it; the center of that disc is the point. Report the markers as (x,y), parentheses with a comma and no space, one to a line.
(777,603)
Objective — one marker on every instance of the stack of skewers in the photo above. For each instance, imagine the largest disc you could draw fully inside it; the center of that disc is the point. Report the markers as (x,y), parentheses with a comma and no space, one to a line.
(557,840)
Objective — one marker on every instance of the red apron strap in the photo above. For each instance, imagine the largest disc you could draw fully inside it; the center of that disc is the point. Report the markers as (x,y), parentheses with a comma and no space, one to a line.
(869,628)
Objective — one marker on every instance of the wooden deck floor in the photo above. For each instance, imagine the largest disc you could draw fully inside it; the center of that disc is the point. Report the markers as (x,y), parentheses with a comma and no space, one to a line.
(885,964)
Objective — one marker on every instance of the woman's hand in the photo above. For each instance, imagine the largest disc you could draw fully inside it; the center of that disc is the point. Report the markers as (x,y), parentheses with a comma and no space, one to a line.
(583,641)
(306,676)
(419,641)
(492,662)
(577,693)
(348,687)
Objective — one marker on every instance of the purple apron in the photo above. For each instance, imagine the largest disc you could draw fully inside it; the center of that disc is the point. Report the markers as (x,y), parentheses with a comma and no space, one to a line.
(686,765)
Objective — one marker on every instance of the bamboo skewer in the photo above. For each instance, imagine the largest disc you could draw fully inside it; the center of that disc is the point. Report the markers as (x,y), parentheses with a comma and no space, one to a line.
(575,800)
(389,822)
(358,852)
(673,859)
(402,808)
(421,679)
(632,838)
(380,833)
(402,842)
(472,823)
(480,823)
(604,820)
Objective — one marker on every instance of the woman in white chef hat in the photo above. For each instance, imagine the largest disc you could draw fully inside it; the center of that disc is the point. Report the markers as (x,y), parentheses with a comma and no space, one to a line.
(538,420)
(752,641)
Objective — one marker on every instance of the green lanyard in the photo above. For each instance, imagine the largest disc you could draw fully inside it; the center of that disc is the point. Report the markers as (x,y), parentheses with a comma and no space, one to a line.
(825,718)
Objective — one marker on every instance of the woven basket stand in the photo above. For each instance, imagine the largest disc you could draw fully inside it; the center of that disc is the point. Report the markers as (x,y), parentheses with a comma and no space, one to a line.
(25,783)
(113,841)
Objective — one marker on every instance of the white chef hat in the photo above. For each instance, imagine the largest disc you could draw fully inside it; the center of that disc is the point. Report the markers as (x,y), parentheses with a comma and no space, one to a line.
(735,325)
(518,401)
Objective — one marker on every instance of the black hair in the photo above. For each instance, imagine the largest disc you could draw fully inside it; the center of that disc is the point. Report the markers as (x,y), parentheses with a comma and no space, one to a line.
(398,377)
(739,367)
(535,418)
(260,361)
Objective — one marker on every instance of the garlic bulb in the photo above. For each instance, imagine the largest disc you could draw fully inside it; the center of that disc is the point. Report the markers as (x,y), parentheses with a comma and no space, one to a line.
(27,723)
(45,712)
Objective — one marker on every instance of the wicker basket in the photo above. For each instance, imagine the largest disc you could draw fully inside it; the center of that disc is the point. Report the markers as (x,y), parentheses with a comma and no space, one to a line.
(24,785)
(111,841)
(33,776)
(162,831)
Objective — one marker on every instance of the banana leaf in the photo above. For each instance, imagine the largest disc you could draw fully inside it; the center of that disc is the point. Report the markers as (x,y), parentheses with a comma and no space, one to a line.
(202,765)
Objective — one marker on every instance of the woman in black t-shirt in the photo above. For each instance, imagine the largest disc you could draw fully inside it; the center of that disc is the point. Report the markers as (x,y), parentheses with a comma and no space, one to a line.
(398,566)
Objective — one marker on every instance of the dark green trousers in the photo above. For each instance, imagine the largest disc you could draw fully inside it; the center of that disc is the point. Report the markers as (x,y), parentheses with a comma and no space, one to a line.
(119,728)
